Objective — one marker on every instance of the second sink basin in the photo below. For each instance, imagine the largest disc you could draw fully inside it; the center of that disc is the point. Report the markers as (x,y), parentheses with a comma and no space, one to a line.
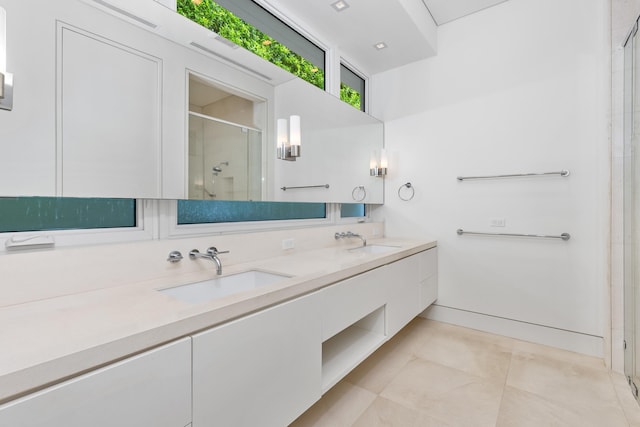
(374,249)
(207,290)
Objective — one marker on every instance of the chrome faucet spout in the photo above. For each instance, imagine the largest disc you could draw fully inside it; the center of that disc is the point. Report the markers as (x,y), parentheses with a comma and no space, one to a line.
(350,234)
(212,254)
(359,236)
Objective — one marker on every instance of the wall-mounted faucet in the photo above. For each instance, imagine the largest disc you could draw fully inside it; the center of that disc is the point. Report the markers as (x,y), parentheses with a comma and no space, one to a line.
(349,234)
(212,254)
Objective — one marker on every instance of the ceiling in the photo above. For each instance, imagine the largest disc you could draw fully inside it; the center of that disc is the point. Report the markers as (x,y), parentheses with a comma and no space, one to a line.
(443,11)
(407,27)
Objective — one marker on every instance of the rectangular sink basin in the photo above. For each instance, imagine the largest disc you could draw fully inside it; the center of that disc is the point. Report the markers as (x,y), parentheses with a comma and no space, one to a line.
(374,249)
(208,290)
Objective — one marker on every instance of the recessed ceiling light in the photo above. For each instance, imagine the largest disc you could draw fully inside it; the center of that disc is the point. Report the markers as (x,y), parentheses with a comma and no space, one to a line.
(340,5)
(380,45)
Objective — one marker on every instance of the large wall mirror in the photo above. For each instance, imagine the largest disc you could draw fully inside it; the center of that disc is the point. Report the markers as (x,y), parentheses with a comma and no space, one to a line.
(232,149)
(116,109)
(336,145)
(226,143)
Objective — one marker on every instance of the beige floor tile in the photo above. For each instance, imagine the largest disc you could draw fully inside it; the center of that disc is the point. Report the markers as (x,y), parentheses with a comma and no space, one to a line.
(476,354)
(524,347)
(379,369)
(385,413)
(522,409)
(413,336)
(505,343)
(560,381)
(446,394)
(339,407)
(628,403)
(436,374)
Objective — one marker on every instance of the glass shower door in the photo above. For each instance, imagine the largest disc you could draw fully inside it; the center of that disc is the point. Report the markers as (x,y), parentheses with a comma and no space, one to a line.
(631,210)
(225,160)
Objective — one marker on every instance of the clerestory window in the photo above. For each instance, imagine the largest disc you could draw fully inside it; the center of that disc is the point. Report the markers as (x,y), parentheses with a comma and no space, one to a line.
(352,88)
(247,24)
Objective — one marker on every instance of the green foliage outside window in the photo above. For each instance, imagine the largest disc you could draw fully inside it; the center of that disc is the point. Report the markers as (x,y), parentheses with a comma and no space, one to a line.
(219,20)
(350,96)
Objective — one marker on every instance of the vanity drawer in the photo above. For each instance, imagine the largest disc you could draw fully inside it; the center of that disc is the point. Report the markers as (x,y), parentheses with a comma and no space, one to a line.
(350,300)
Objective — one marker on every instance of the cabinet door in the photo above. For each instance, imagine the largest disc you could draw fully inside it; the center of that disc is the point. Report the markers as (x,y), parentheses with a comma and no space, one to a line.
(428,277)
(109,118)
(404,293)
(260,370)
(151,389)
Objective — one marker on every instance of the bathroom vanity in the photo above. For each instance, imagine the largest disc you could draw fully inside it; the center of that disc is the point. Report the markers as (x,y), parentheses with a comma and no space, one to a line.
(275,348)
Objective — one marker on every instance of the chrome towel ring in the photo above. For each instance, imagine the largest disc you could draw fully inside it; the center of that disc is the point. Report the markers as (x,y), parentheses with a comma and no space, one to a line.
(410,192)
(359,193)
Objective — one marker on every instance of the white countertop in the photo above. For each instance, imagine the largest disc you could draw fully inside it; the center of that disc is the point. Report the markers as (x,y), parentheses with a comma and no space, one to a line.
(51,339)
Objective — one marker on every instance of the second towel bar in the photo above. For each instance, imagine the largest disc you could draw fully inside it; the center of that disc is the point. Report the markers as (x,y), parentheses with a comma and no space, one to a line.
(304,186)
(515,175)
(563,236)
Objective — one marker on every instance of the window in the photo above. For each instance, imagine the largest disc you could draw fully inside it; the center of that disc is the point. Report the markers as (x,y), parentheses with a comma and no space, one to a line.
(218,211)
(50,213)
(248,25)
(351,210)
(351,88)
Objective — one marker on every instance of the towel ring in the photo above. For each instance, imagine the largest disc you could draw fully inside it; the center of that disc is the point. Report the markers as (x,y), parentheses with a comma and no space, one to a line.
(357,191)
(408,186)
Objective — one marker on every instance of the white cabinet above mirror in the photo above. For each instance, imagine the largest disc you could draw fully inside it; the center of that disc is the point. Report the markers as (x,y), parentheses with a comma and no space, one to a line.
(109,117)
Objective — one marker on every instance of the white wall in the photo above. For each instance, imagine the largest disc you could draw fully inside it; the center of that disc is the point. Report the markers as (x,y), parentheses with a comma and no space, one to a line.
(519,87)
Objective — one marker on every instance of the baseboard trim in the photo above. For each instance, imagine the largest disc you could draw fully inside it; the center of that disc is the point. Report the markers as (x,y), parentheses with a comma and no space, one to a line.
(573,341)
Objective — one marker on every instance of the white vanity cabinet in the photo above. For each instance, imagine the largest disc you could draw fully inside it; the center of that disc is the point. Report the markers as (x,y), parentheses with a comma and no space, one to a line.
(259,370)
(361,313)
(150,389)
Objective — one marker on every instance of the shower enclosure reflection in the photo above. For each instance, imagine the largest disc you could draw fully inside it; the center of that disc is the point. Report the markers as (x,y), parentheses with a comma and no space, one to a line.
(224,160)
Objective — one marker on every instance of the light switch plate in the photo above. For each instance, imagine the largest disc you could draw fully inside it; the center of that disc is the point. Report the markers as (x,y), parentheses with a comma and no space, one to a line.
(288,244)
(497,222)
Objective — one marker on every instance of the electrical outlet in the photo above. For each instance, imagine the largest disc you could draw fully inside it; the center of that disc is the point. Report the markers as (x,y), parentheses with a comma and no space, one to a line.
(375,232)
(498,222)
(288,244)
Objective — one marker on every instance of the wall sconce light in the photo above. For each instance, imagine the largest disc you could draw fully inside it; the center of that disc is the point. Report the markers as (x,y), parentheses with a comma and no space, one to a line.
(6,79)
(378,165)
(6,91)
(288,138)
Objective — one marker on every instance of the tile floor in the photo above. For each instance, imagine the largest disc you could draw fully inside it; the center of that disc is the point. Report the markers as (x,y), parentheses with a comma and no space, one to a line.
(436,374)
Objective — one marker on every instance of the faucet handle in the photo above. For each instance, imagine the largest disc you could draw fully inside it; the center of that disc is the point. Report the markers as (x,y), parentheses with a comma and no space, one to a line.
(214,251)
(174,256)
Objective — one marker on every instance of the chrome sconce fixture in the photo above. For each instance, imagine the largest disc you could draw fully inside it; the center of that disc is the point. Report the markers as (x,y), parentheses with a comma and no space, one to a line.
(378,165)
(6,79)
(6,91)
(288,138)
